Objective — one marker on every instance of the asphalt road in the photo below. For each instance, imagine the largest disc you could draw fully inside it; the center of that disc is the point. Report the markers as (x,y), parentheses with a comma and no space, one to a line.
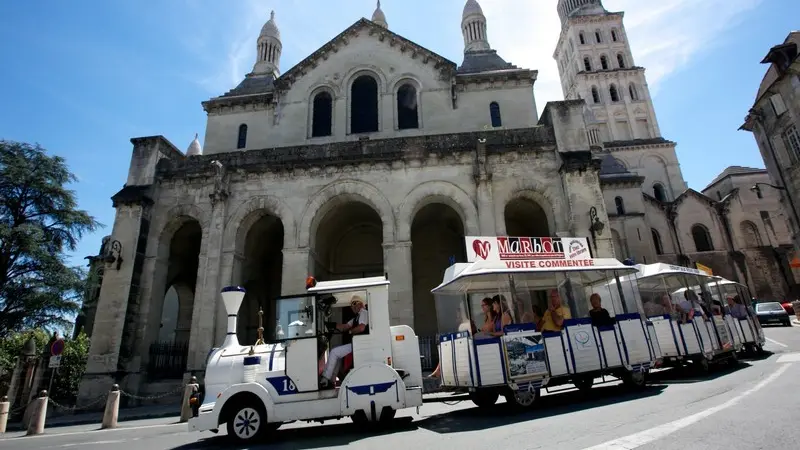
(754,406)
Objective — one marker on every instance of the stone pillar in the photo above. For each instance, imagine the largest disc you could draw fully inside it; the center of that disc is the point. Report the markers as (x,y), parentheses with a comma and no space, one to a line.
(397,263)
(487,219)
(207,301)
(120,287)
(579,173)
(296,268)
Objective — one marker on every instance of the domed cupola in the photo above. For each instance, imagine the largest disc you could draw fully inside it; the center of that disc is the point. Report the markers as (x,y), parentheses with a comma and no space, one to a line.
(473,27)
(379,17)
(194,148)
(269,49)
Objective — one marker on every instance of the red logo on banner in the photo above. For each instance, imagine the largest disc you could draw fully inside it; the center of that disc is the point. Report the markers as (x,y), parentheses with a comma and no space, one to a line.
(481,248)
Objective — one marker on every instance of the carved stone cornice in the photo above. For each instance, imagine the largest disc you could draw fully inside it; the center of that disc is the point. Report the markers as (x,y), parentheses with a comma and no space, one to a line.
(133,196)
(579,161)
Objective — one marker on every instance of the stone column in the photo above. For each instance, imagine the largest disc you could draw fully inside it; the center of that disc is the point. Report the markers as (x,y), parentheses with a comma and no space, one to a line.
(487,219)
(296,268)
(579,172)
(206,297)
(120,285)
(397,263)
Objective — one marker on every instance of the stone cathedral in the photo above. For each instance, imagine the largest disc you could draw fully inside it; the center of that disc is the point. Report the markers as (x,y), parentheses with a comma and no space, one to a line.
(376,155)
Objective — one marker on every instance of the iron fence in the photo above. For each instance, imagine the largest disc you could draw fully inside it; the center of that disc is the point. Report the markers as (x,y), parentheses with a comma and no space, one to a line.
(429,352)
(167,360)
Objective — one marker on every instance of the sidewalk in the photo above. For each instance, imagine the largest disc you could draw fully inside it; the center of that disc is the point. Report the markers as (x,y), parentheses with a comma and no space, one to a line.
(125,415)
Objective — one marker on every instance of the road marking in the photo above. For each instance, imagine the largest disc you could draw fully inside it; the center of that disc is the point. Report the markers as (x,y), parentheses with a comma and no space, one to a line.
(777,343)
(73,433)
(119,441)
(645,437)
(789,358)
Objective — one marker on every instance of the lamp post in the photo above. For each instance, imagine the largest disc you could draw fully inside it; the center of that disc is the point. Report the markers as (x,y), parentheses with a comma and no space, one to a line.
(114,254)
(595,226)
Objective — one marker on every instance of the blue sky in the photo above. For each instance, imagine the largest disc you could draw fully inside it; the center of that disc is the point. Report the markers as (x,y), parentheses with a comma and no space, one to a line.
(82,78)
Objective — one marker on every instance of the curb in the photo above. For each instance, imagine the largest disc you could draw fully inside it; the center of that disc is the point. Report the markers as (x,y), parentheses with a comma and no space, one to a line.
(142,416)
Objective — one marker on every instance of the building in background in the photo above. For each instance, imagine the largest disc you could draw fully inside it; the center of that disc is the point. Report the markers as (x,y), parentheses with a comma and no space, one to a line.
(774,121)
(375,155)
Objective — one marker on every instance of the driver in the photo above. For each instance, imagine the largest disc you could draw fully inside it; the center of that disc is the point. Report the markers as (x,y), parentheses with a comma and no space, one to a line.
(359,325)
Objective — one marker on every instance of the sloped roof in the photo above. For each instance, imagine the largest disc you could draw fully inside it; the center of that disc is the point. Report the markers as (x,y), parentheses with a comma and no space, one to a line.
(484,61)
(731,171)
(342,38)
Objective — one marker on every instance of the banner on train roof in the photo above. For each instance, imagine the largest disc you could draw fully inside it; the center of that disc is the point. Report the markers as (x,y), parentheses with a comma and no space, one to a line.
(504,248)
(705,269)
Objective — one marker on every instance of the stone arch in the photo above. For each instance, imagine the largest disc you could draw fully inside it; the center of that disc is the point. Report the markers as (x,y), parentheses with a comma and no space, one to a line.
(437,192)
(750,235)
(243,218)
(364,69)
(534,191)
(321,202)
(173,220)
(328,116)
(405,78)
(701,237)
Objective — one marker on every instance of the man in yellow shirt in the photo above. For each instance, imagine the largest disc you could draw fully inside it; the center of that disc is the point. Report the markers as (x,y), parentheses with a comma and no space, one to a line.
(553,318)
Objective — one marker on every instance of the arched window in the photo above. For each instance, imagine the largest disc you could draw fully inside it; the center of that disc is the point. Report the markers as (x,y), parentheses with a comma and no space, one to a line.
(595,94)
(620,206)
(604,62)
(750,235)
(634,93)
(657,242)
(598,37)
(494,112)
(407,112)
(702,239)
(612,91)
(620,61)
(659,193)
(242,141)
(587,64)
(322,118)
(582,38)
(364,105)
(614,35)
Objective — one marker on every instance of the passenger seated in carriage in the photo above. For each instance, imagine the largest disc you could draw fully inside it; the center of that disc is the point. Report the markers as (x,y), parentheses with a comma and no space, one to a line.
(553,318)
(599,315)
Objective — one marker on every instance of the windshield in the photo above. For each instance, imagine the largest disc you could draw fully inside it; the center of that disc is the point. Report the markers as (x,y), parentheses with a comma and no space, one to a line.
(769,307)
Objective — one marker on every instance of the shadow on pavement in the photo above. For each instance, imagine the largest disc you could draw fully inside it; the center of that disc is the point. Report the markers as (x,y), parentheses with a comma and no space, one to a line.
(342,433)
(690,374)
(566,402)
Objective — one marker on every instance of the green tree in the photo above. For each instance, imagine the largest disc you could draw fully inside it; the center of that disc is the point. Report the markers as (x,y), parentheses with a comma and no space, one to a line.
(66,377)
(39,222)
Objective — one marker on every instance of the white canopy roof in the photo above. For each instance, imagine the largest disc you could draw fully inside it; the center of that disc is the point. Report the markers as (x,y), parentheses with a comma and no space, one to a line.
(481,275)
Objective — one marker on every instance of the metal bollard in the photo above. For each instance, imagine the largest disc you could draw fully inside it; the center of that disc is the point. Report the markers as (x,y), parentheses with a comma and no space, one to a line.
(38,415)
(5,407)
(186,408)
(111,413)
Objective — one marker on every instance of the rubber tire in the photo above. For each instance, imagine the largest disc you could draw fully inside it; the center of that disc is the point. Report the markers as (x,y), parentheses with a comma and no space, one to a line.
(703,366)
(584,384)
(484,399)
(634,380)
(262,429)
(511,399)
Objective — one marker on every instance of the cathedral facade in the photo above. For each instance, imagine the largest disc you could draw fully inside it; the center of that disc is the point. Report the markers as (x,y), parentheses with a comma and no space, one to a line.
(375,155)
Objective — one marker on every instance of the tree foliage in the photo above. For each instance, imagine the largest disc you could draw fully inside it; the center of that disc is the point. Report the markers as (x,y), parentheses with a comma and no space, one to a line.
(39,222)
(67,376)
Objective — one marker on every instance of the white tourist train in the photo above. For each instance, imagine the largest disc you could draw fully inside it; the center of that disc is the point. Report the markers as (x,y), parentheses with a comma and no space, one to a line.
(693,316)
(542,324)
(255,388)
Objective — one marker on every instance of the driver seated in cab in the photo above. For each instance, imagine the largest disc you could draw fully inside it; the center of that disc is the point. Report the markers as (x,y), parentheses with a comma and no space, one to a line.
(358,325)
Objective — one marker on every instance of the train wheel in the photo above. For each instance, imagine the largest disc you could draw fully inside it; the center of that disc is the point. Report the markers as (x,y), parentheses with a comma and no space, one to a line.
(634,380)
(523,399)
(249,423)
(484,399)
(584,384)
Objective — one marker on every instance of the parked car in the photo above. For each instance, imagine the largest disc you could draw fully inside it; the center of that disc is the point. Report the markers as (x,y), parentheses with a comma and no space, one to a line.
(787,306)
(772,313)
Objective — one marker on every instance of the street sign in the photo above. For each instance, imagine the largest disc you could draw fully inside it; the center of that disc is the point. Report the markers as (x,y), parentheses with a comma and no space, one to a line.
(57,348)
(55,362)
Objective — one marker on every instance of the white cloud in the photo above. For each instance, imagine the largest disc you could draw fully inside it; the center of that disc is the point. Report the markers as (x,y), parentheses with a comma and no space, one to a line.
(665,35)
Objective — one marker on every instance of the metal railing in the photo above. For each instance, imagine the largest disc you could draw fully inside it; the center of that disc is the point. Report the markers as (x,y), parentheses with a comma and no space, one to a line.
(167,360)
